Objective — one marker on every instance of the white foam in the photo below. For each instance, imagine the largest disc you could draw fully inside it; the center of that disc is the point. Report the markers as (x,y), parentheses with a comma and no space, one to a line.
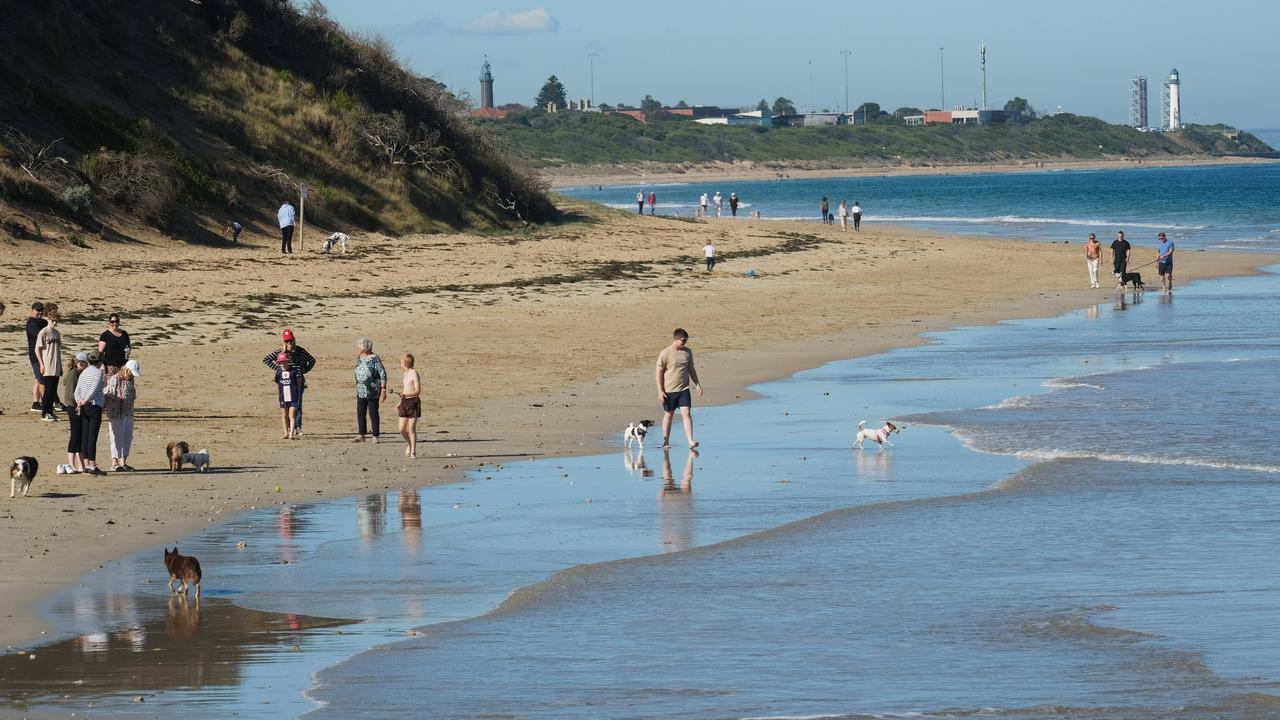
(1059,454)
(1012,402)
(1021,220)
(1063,383)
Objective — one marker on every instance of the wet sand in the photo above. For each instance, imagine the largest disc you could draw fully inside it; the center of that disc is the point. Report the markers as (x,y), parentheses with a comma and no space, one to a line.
(531,345)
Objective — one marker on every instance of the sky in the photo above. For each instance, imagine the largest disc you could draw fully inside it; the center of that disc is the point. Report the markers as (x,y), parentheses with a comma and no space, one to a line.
(1075,55)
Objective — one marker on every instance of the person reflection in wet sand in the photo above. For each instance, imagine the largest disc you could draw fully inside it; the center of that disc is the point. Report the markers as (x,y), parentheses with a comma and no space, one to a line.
(1121,303)
(675,505)
(371,515)
(1091,312)
(410,508)
(183,620)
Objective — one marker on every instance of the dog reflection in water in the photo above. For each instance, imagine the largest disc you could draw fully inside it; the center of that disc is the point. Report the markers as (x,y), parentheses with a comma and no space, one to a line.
(183,620)
(635,463)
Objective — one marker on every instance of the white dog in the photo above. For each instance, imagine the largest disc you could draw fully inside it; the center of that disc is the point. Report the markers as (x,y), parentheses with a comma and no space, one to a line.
(22,472)
(198,460)
(880,436)
(635,432)
(336,240)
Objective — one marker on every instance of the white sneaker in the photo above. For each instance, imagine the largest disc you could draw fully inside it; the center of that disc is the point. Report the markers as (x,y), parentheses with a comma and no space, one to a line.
(62,469)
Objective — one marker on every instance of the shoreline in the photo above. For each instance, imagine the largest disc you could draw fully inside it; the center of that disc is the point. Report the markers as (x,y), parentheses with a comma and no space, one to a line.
(488,381)
(660,173)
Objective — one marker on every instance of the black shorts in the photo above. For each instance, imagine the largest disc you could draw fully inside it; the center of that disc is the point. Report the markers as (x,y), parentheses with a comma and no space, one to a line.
(1165,266)
(35,370)
(676,400)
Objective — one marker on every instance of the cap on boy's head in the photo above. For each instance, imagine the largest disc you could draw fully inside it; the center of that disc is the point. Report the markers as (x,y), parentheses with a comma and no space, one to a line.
(282,358)
(92,357)
(82,357)
(287,335)
(37,306)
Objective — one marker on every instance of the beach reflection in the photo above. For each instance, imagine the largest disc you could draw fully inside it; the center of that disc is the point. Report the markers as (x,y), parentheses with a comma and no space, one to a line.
(635,463)
(873,465)
(410,507)
(371,516)
(675,505)
(1091,312)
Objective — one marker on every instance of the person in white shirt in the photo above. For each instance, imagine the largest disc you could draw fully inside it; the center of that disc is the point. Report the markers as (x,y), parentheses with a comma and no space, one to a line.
(718,203)
(702,206)
(710,251)
(843,212)
(288,216)
(640,201)
(856,212)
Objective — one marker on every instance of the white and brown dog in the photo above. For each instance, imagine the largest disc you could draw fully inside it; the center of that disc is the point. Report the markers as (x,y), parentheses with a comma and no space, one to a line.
(635,432)
(880,436)
(198,460)
(22,472)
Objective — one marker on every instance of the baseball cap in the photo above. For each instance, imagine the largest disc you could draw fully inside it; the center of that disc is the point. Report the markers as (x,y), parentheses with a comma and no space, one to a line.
(287,334)
(282,357)
(37,306)
(82,357)
(134,368)
(92,357)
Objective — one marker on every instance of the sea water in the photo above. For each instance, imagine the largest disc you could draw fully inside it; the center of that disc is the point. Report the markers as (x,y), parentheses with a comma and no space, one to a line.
(1217,207)
(1077,520)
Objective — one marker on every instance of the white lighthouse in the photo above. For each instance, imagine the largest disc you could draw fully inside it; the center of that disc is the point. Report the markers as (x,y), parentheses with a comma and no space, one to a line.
(1172,105)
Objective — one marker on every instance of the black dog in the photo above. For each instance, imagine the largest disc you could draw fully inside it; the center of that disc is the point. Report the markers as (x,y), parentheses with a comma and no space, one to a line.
(1134,279)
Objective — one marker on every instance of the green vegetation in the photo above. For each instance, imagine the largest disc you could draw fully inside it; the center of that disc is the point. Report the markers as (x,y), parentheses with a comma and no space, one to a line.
(555,140)
(181,115)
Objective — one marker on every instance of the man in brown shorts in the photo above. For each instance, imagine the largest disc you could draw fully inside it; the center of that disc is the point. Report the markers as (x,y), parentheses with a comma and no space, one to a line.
(673,375)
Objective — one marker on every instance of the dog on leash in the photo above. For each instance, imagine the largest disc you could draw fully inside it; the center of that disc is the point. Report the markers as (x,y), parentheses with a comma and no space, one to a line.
(197,460)
(635,432)
(880,437)
(334,241)
(174,452)
(184,569)
(1131,278)
(22,472)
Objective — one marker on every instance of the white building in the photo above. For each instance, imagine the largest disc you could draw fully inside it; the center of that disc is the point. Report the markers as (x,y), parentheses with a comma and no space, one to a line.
(1171,108)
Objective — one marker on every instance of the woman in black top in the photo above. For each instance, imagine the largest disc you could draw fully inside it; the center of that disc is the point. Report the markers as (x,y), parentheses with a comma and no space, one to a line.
(113,344)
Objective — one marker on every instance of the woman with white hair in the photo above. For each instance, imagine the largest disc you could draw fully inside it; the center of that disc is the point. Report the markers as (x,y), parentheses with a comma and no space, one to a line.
(371,388)
(119,395)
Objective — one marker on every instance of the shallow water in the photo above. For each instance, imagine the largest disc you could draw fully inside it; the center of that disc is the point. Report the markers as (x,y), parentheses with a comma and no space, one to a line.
(953,573)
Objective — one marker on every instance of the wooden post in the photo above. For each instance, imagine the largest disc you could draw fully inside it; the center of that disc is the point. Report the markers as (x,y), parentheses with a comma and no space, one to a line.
(302,214)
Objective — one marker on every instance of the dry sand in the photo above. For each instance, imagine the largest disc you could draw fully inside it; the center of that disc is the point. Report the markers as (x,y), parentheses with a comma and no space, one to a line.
(530,345)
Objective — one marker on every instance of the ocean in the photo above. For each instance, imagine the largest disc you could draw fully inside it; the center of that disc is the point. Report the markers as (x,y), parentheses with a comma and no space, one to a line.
(1078,520)
(1211,207)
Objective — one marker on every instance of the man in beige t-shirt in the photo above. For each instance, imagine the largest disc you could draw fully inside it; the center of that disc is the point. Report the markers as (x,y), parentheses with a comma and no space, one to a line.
(673,376)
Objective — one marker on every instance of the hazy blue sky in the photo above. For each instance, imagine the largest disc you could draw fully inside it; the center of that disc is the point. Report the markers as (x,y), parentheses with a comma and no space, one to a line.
(1078,55)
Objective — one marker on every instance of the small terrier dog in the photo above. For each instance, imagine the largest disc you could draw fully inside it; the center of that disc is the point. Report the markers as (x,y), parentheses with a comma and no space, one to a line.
(22,472)
(334,241)
(880,437)
(183,568)
(197,460)
(635,432)
(174,451)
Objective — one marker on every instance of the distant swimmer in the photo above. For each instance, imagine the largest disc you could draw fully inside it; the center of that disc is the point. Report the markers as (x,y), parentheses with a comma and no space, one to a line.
(1164,262)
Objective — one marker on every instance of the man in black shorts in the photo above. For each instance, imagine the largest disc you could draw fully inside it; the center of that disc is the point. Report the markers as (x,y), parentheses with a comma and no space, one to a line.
(673,376)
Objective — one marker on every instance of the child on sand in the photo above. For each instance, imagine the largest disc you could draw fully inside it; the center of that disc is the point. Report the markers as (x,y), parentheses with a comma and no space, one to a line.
(287,382)
(409,409)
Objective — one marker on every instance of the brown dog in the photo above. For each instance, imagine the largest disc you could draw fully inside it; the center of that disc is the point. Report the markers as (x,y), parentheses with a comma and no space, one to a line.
(183,568)
(174,451)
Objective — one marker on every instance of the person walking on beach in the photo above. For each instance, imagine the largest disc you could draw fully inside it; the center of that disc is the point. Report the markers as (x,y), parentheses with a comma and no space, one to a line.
(640,202)
(74,438)
(718,202)
(674,375)
(826,211)
(843,213)
(1164,262)
(49,354)
(733,204)
(89,400)
(113,346)
(119,394)
(301,362)
(1092,256)
(653,203)
(709,251)
(371,388)
(289,394)
(234,229)
(702,206)
(856,212)
(409,409)
(35,323)
(287,217)
(1120,251)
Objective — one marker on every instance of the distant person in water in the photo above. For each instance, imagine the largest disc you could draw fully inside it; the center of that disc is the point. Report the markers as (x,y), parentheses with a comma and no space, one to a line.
(1164,262)
(718,202)
(640,202)
(733,204)
(702,206)
(826,211)
(1092,256)
(856,213)
(653,202)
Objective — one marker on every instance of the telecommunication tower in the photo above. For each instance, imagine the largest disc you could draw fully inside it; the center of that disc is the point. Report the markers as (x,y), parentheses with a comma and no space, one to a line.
(1138,101)
(982,59)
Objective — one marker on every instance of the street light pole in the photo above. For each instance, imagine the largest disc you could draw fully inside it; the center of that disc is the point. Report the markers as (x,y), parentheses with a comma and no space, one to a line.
(845,53)
(591,72)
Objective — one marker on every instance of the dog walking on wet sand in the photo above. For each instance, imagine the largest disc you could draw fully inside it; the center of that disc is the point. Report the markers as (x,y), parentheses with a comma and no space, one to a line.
(880,437)
(184,569)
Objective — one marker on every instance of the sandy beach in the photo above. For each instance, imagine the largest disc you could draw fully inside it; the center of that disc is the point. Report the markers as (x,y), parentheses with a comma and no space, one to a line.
(576,176)
(529,344)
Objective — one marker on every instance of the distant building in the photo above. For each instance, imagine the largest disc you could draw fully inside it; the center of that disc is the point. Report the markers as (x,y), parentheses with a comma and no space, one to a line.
(959,117)
(811,119)
(1138,101)
(486,85)
(1171,107)
(937,117)
(758,118)
(913,119)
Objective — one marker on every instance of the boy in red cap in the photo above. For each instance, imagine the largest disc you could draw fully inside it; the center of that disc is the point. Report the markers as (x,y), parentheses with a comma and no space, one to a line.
(300,363)
(288,384)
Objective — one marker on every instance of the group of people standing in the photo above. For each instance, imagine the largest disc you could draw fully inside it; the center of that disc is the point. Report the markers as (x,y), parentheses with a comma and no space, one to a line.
(717,201)
(101,383)
(1122,253)
(845,213)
